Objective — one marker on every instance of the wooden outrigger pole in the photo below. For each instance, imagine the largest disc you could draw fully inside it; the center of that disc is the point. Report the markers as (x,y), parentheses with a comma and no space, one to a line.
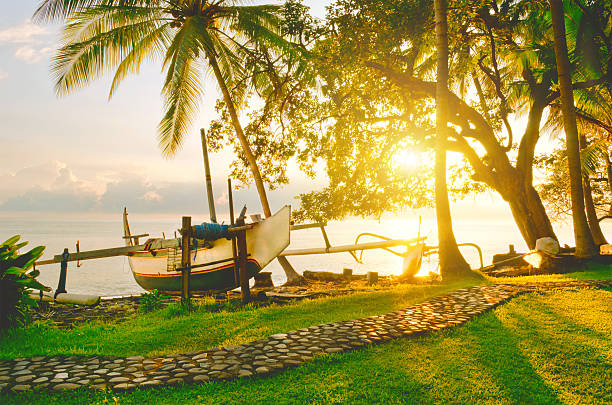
(352,248)
(209,190)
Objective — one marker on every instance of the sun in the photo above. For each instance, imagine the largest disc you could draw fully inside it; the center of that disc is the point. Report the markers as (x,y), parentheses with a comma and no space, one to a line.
(406,159)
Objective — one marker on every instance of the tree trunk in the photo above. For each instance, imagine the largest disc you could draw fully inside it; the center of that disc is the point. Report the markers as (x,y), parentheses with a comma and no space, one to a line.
(528,211)
(596,233)
(293,278)
(452,264)
(598,236)
(585,247)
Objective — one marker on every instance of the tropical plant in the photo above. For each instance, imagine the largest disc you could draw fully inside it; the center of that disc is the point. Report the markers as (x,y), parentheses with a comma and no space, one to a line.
(150,301)
(16,280)
(191,37)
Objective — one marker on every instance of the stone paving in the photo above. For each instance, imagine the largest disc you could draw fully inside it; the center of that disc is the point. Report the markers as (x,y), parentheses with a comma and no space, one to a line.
(264,356)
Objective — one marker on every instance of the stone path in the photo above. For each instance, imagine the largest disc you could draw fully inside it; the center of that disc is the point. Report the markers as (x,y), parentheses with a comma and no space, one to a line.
(266,355)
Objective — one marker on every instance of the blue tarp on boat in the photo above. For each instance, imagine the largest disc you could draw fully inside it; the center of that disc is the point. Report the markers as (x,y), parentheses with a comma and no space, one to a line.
(211,231)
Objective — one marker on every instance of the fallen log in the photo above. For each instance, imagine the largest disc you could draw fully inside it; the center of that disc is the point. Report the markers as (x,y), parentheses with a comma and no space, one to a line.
(328,276)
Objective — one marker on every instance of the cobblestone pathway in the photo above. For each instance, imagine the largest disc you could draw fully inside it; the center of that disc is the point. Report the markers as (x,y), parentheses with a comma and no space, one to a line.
(266,355)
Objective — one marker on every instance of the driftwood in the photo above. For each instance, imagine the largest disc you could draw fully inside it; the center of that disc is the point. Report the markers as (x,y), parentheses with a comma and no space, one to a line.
(331,277)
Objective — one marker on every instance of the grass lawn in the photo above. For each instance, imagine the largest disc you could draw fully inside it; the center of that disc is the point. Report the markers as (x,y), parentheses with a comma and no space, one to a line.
(546,347)
(167,331)
(542,348)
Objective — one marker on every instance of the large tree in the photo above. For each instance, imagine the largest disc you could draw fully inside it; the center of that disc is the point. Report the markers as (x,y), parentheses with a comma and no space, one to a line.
(585,246)
(189,36)
(452,263)
(377,93)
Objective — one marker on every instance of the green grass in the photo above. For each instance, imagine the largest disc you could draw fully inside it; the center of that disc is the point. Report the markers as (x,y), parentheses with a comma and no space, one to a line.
(589,271)
(542,348)
(171,331)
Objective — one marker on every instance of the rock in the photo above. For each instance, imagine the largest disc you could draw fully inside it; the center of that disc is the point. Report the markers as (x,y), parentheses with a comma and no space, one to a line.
(279,336)
(219,367)
(334,350)
(24,378)
(40,380)
(124,386)
(245,373)
(118,380)
(262,370)
(201,378)
(66,386)
(21,387)
(547,245)
(150,383)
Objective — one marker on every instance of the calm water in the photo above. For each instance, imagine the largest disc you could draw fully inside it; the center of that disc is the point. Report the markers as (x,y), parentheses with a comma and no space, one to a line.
(112,276)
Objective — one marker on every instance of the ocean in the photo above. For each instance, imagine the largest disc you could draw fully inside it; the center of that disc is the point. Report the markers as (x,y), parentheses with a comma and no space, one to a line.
(112,276)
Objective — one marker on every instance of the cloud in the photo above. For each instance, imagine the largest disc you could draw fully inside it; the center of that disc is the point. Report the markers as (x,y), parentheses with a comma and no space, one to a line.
(31,55)
(53,187)
(3,74)
(25,33)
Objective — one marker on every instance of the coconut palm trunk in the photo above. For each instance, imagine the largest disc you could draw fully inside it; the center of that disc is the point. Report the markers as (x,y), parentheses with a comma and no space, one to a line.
(585,246)
(452,264)
(293,278)
(598,236)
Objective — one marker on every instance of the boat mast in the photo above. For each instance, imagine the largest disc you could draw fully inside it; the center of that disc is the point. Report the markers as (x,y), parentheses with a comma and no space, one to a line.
(209,191)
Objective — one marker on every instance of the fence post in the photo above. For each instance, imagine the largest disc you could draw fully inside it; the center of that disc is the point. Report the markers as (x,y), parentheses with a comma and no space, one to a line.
(186,262)
(61,285)
(242,263)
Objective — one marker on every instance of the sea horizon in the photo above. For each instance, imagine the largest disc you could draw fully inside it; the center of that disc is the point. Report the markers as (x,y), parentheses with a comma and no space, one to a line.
(112,276)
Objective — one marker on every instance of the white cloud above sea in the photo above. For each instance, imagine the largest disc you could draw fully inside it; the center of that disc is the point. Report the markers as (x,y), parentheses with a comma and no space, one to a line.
(30,54)
(33,42)
(53,187)
(24,33)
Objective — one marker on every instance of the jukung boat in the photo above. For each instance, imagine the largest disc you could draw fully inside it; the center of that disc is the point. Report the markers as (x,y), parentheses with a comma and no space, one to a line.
(159,268)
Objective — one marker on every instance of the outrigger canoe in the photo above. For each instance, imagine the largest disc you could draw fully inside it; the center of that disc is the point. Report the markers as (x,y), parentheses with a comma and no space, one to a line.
(159,269)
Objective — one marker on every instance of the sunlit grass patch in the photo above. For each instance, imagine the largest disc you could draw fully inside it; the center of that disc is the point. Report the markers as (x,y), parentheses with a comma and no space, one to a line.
(542,348)
(174,330)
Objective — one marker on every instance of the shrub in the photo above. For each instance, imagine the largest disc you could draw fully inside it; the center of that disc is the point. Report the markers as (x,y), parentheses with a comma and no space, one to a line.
(150,301)
(16,280)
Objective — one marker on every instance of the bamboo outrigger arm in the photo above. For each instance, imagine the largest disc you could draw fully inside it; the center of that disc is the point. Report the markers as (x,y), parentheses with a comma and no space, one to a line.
(110,252)
(351,248)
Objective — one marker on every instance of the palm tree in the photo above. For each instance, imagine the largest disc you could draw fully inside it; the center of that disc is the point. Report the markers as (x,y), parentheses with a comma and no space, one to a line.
(452,263)
(585,247)
(190,36)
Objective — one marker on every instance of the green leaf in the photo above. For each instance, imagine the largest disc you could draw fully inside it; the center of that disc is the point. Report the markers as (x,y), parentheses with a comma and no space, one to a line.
(11,241)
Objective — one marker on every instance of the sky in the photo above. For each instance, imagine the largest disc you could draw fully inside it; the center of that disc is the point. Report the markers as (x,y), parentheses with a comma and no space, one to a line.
(85,154)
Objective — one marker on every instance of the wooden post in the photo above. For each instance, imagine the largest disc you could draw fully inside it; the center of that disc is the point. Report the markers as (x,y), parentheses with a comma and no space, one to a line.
(347,273)
(209,190)
(372,277)
(231,210)
(242,262)
(61,285)
(186,262)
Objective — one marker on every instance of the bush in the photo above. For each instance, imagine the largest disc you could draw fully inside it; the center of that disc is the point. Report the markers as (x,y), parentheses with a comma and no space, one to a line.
(16,280)
(150,301)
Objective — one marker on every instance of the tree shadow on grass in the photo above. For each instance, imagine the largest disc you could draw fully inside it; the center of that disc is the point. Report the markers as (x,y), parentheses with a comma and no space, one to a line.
(498,352)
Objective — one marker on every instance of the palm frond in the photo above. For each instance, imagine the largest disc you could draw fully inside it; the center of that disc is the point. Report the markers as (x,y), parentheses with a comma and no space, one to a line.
(60,10)
(110,38)
(182,89)
(154,43)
